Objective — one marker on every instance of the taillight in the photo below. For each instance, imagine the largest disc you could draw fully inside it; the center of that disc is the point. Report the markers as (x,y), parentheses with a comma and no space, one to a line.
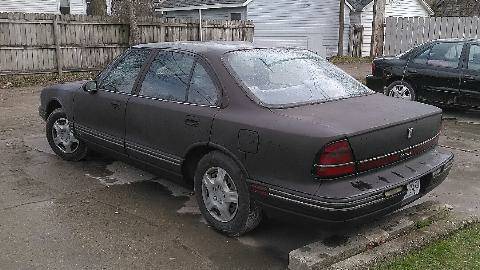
(335,160)
(373,68)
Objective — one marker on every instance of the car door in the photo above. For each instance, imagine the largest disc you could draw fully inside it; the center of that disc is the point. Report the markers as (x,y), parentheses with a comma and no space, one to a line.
(418,73)
(443,83)
(100,115)
(173,110)
(470,83)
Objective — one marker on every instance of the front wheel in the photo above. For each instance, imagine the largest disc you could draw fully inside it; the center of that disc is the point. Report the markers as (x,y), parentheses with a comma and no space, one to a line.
(61,138)
(401,89)
(223,197)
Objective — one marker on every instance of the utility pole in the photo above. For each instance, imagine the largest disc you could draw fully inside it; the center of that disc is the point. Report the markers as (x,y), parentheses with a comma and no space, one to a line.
(377,28)
(341,27)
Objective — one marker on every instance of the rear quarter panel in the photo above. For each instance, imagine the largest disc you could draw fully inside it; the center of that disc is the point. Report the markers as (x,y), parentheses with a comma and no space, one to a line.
(286,147)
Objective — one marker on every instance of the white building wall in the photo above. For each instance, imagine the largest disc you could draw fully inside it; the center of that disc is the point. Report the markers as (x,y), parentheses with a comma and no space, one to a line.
(78,7)
(309,24)
(30,6)
(208,14)
(394,8)
(41,6)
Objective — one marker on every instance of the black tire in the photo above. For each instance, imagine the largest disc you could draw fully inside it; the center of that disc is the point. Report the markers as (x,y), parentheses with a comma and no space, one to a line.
(389,91)
(248,214)
(80,148)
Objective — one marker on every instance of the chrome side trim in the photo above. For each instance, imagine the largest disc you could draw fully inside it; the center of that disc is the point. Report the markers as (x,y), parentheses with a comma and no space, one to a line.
(97,134)
(176,102)
(160,99)
(153,153)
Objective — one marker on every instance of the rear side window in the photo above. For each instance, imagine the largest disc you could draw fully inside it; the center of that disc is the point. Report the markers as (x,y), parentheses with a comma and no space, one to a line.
(202,89)
(168,76)
(445,55)
(122,77)
(474,58)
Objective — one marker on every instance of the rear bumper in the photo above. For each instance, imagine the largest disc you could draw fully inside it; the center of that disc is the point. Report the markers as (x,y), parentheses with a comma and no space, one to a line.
(375,83)
(368,202)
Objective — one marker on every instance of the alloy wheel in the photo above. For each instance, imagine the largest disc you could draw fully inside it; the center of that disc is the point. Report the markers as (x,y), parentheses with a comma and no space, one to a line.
(63,136)
(401,91)
(219,194)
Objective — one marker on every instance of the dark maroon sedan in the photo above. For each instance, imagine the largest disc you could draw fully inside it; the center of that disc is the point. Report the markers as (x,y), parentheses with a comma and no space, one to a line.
(252,129)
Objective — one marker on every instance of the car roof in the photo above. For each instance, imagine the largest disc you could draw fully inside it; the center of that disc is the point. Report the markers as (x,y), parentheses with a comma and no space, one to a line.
(216,47)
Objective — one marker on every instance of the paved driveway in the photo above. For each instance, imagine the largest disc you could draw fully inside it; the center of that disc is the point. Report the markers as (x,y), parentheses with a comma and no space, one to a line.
(102,213)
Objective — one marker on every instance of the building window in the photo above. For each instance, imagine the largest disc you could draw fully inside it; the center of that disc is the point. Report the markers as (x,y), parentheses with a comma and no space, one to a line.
(235,16)
(65,7)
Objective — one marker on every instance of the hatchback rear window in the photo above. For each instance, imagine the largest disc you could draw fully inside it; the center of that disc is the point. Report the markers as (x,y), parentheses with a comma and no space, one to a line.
(282,77)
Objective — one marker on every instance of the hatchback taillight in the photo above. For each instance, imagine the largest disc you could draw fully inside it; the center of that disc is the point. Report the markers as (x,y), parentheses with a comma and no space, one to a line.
(335,160)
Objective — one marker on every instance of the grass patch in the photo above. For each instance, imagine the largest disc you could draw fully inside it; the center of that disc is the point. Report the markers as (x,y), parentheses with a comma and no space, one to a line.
(423,223)
(11,81)
(461,250)
(350,60)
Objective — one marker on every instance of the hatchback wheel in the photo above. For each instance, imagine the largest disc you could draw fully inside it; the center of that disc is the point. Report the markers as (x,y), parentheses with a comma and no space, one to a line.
(223,197)
(401,89)
(61,138)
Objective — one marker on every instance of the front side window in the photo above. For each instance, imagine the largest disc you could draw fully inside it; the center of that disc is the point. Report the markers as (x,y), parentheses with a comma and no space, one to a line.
(445,55)
(121,78)
(422,58)
(168,76)
(474,58)
(202,89)
(281,77)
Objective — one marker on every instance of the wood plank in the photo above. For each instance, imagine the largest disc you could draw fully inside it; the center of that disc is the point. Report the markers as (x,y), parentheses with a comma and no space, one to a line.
(59,59)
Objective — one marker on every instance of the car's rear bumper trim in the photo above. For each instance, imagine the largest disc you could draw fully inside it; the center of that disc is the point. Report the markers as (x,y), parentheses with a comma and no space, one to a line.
(354,208)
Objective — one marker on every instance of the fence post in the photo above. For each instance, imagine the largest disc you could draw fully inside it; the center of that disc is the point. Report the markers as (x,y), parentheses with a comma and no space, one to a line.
(58,53)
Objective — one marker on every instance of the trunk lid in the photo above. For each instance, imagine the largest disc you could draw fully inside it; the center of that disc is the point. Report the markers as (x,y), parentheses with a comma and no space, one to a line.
(375,125)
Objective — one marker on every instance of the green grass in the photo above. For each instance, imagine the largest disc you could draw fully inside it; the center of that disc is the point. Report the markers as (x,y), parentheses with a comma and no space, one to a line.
(461,250)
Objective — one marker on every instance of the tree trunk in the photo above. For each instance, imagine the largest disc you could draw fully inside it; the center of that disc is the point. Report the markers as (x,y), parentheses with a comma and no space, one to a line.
(97,8)
(341,27)
(377,28)
(132,19)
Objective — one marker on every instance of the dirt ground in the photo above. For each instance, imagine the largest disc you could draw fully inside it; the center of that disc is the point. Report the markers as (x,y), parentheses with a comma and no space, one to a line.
(101,213)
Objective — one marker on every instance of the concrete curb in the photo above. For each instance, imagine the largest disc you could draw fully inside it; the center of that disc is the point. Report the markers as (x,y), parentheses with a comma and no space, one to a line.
(413,240)
(359,249)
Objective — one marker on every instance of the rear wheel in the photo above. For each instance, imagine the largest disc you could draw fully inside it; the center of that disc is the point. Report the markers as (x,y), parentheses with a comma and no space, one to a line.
(223,197)
(401,89)
(61,138)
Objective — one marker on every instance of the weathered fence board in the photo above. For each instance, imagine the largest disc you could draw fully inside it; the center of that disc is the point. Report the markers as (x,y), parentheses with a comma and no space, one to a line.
(38,43)
(401,34)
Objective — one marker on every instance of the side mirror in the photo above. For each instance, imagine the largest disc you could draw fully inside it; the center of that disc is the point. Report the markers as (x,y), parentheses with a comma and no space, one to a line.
(90,87)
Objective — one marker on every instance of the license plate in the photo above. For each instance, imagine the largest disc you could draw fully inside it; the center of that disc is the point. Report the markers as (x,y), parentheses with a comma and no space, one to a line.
(413,188)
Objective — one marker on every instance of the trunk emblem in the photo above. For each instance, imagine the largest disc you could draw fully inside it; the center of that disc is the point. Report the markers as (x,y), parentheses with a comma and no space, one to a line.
(410,133)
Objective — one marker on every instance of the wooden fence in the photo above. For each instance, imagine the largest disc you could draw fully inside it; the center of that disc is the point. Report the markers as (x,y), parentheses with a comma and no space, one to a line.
(44,43)
(401,34)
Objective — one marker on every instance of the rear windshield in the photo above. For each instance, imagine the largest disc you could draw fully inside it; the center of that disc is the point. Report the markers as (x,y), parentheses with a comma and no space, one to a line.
(281,77)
